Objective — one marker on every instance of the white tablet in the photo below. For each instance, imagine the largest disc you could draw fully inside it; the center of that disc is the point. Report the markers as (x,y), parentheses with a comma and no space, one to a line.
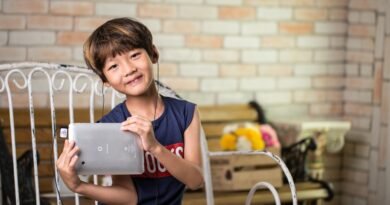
(106,150)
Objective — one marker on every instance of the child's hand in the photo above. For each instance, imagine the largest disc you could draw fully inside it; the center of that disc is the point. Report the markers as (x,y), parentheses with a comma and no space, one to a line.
(144,129)
(66,165)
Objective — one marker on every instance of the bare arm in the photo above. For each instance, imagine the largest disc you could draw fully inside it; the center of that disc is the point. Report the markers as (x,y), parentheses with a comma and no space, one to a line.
(121,192)
(187,170)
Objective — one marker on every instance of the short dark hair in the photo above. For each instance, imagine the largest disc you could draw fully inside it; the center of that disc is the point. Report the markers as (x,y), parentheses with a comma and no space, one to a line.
(114,37)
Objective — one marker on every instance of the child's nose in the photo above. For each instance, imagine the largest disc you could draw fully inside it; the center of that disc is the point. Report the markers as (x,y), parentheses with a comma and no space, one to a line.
(128,69)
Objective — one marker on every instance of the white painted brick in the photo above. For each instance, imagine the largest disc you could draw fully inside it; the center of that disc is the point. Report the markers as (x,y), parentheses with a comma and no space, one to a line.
(386,67)
(360,43)
(379,37)
(237,70)
(336,69)
(313,41)
(361,83)
(241,42)
(152,24)
(200,98)
(198,12)
(293,56)
(310,69)
(360,56)
(353,16)
(3,38)
(257,83)
(289,83)
(362,150)
(352,69)
(329,56)
(367,17)
(382,158)
(274,97)
(169,40)
(356,163)
(51,54)
(234,97)
(387,18)
(358,109)
(355,176)
(9,54)
(185,1)
(366,70)
(78,53)
(180,55)
(373,173)
(360,123)
(338,42)
(328,82)
(224,2)
(263,56)
(219,84)
(199,70)
(330,28)
(220,27)
(115,9)
(222,55)
(358,96)
(376,127)
(285,111)
(313,96)
(259,28)
(327,109)
(345,199)
(385,102)
(360,201)
(31,38)
(182,84)
(275,70)
(274,13)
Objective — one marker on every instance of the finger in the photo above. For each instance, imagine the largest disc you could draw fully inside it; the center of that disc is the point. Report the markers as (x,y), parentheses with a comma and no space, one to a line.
(74,151)
(72,163)
(69,155)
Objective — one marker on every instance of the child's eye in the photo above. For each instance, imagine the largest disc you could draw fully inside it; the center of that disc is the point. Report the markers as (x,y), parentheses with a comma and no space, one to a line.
(112,67)
(135,55)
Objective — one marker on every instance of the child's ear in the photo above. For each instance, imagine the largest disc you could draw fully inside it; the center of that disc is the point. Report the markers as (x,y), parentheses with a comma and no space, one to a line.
(155,54)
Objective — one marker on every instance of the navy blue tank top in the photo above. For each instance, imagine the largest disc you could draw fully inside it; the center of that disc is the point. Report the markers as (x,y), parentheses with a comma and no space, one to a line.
(156,185)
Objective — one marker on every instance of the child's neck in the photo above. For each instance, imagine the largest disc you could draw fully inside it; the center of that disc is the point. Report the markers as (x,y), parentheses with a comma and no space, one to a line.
(145,105)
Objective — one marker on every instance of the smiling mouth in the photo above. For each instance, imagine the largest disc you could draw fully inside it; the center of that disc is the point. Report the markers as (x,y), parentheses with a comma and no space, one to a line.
(134,80)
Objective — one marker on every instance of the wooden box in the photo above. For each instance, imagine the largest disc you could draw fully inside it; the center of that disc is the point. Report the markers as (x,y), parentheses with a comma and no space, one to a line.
(241,172)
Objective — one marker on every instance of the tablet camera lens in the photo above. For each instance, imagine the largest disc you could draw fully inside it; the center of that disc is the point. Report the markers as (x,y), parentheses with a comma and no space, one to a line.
(83,162)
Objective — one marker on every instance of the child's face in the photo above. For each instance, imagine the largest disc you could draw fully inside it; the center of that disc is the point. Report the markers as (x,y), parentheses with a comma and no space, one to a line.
(130,73)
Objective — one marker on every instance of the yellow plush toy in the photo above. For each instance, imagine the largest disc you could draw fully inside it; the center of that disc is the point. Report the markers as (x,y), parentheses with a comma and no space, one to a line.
(242,137)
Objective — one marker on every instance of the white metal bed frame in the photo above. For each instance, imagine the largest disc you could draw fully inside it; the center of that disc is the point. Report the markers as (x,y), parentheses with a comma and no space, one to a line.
(79,79)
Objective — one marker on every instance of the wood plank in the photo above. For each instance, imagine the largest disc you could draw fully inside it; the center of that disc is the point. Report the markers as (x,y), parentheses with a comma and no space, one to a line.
(305,191)
(23,135)
(227,113)
(45,150)
(43,116)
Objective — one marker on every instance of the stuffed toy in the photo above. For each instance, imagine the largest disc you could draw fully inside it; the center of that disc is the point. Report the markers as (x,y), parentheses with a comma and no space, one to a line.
(242,137)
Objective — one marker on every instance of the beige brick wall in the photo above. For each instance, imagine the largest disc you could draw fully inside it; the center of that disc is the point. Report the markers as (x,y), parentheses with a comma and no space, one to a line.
(366,160)
(212,51)
(325,58)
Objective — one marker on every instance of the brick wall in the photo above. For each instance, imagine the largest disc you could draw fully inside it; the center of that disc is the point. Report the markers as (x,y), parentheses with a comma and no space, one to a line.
(323,58)
(365,164)
(289,55)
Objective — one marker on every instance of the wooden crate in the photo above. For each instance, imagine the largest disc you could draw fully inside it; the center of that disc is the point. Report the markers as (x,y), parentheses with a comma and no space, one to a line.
(241,172)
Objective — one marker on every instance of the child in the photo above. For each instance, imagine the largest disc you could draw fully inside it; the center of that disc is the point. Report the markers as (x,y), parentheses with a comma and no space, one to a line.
(122,53)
